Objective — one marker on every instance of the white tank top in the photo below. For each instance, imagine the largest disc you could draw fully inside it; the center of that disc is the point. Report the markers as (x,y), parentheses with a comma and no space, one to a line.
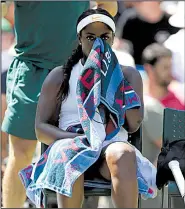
(69,108)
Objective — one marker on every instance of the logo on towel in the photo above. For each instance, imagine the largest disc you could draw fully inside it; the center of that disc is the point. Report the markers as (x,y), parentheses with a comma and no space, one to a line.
(106,62)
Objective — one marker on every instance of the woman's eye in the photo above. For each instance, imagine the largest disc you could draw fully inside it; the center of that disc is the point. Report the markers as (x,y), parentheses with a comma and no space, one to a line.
(105,37)
(90,38)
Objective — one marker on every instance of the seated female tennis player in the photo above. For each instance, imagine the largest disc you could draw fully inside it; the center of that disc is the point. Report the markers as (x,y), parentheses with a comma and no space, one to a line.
(117,161)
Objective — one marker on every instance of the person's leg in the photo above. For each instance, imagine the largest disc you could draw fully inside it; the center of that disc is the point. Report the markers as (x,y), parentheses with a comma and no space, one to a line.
(20,155)
(77,196)
(120,166)
(24,82)
(90,174)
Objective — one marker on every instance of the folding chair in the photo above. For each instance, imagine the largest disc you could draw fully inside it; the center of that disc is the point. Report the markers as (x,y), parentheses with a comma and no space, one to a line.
(98,188)
(173,129)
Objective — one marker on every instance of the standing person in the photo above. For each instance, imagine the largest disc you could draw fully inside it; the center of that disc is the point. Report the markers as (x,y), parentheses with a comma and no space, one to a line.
(157,61)
(142,25)
(45,36)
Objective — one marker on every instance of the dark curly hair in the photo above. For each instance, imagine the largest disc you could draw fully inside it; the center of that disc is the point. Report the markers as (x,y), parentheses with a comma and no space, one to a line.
(77,54)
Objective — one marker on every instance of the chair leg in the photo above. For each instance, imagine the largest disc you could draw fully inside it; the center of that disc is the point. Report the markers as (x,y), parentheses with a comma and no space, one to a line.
(139,201)
(44,200)
(165,198)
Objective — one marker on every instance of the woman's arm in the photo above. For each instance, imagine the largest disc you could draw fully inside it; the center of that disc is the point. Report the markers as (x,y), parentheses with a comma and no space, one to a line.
(134,116)
(47,110)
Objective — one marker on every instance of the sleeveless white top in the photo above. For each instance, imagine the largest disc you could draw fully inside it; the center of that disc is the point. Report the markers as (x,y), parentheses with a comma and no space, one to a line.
(69,108)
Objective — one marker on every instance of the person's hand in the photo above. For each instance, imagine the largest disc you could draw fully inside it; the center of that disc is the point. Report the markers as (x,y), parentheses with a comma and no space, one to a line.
(4,9)
(110,6)
(7,9)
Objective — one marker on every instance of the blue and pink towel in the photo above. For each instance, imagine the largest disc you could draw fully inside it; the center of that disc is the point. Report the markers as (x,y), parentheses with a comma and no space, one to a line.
(101,88)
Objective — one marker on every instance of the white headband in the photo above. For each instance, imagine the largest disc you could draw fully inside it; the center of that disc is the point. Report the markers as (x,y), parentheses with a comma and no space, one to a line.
(96,18)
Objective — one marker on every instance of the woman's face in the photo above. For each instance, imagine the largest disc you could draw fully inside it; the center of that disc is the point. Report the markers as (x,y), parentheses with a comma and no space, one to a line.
(93,31)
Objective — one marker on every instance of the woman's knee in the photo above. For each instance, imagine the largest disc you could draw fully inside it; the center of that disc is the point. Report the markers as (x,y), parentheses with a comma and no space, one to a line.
(120,157)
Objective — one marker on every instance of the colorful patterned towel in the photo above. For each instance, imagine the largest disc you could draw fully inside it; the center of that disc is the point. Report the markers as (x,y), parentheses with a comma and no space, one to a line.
(102,82)
(101,88)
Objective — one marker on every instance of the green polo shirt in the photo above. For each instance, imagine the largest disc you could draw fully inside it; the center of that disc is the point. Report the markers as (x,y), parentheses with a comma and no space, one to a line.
(46,31)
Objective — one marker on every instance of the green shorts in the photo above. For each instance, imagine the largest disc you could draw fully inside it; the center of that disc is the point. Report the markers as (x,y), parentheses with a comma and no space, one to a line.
(24,82)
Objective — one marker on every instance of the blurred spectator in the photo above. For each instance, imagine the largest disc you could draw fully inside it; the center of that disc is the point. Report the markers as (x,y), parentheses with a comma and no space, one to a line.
(169,6)
(176,43)
(122,6)
(178,89)
(143,25)
(7,41)
(157,62)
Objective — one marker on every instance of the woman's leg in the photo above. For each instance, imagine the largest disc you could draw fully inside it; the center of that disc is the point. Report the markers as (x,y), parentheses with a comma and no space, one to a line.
(120,167)
(77,196)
